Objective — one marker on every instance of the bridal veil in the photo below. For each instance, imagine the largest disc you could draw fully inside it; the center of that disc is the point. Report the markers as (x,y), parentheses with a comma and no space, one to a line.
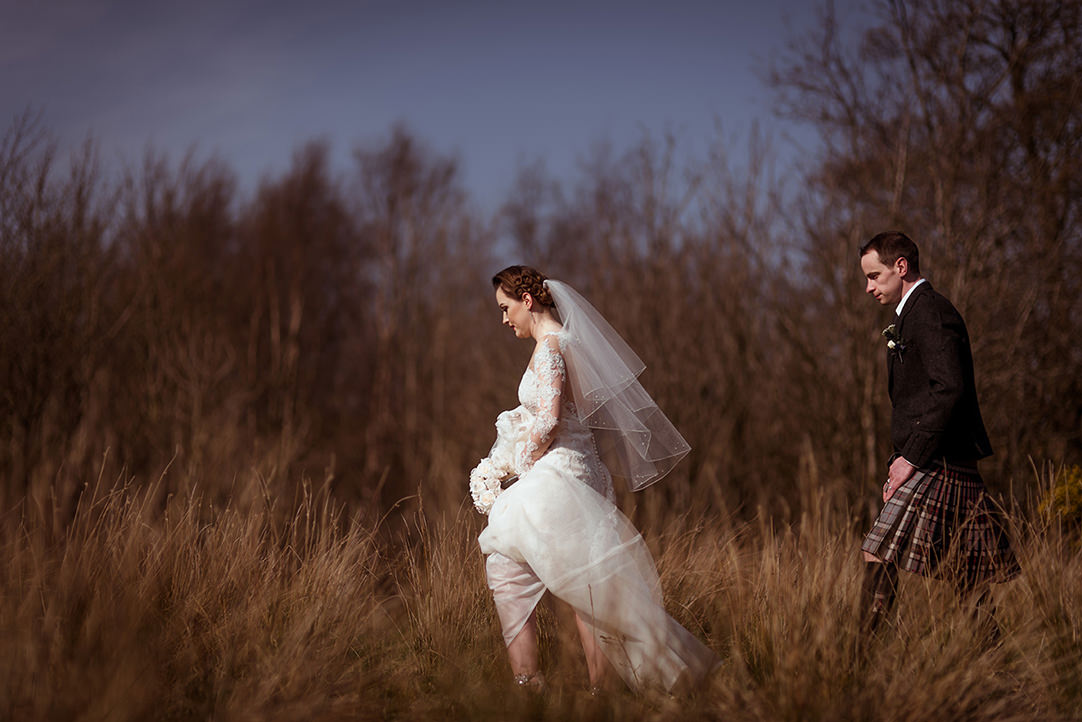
(635,439)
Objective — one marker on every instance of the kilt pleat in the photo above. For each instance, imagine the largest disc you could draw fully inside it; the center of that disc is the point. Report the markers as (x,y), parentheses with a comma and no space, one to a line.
(941,524)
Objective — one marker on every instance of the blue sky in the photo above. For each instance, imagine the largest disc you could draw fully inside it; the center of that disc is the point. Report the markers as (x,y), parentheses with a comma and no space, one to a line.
(495,83)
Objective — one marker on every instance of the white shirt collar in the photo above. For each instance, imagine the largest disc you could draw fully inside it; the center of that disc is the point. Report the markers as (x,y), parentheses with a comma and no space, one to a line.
(901,303)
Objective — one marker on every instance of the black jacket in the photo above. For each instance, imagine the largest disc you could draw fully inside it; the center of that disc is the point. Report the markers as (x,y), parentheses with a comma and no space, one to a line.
(935,413)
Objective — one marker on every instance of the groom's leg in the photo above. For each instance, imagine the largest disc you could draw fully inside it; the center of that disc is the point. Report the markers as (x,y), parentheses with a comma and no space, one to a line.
(978,597)
(879,589)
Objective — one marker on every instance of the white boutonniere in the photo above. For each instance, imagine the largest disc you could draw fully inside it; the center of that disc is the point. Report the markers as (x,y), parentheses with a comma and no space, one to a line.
(894,341)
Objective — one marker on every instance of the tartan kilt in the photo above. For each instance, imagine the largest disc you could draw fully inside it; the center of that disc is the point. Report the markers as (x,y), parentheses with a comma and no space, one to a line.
(941,524)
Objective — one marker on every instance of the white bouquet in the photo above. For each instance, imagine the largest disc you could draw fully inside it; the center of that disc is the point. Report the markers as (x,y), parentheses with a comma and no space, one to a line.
(487,477)
(485,485)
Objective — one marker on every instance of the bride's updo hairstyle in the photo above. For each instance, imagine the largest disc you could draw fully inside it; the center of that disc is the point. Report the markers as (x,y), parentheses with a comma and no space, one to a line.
(517,280)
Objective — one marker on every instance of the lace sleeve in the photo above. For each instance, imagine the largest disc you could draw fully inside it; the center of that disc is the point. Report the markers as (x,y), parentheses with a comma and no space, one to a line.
(510,427)
(548,366)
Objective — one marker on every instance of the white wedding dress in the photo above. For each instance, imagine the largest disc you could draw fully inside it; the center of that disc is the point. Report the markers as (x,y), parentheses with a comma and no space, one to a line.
(557,529)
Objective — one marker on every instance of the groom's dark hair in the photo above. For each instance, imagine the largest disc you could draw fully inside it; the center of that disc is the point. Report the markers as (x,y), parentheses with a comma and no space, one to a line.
(892,245)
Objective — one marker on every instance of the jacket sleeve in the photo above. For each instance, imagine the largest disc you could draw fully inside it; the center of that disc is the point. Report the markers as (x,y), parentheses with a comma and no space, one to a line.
(940,336)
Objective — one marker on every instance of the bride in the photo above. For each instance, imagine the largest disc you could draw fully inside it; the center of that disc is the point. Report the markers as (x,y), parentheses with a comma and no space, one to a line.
(583,414)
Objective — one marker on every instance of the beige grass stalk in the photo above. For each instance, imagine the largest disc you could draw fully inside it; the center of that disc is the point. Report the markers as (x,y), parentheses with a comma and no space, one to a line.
(176,609)
(194,613)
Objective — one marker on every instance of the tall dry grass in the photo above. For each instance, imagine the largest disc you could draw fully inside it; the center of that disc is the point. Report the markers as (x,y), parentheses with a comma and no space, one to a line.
(152,607)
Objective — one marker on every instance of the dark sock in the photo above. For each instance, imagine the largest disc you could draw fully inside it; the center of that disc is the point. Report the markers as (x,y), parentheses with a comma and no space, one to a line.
(878,592)
(983,608)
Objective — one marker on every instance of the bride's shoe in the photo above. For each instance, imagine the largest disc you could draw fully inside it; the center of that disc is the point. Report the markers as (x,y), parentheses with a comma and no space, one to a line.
(531,682)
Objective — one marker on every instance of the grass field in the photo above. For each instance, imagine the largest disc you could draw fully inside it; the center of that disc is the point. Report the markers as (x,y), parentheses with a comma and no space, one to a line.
(144,607)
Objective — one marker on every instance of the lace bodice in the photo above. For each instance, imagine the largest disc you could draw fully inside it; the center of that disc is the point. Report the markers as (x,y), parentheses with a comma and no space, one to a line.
(553,427)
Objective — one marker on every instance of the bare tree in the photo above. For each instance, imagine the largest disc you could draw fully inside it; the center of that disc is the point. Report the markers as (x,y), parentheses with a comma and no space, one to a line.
(429,366)
(56,270)
(959,122)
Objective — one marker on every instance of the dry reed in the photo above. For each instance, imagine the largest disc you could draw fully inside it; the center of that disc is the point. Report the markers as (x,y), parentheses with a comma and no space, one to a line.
(172,608)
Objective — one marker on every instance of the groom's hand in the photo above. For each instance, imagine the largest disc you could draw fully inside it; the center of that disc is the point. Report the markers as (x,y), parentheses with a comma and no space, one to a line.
(900,471)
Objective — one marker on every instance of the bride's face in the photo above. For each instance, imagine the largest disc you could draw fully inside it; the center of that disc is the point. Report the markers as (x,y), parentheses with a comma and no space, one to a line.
(515,314)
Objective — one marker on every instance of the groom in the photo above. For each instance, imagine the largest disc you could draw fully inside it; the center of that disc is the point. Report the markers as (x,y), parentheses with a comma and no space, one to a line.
(936,519)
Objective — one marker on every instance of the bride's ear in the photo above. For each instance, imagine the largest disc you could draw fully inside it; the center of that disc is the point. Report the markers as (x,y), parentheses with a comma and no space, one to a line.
(528,300)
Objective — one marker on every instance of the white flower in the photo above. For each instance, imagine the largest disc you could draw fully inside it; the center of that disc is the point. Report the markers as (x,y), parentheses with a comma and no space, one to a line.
(501,463)
(894,342)
(485,485)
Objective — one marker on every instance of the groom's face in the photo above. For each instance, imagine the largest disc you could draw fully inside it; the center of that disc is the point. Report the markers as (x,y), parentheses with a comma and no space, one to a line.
(884,282)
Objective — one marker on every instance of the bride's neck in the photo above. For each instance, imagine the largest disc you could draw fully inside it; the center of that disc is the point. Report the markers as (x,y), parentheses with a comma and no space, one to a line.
(544,325)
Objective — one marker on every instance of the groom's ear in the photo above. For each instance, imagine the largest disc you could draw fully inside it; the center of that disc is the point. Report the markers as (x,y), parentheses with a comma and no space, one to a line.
(901,266)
